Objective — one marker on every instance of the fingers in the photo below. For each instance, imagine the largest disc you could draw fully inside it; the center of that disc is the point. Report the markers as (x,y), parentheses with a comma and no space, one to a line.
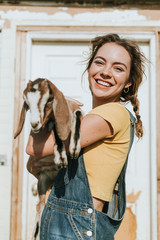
(35,166)
(31,166)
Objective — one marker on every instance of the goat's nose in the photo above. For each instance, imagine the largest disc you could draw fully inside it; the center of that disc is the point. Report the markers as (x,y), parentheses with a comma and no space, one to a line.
(34,124)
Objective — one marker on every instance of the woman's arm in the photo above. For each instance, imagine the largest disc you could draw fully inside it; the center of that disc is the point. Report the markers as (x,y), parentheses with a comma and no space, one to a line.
(93,129)
(40,144)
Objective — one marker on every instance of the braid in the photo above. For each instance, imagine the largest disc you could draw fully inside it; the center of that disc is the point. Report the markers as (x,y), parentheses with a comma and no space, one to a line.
(138,124)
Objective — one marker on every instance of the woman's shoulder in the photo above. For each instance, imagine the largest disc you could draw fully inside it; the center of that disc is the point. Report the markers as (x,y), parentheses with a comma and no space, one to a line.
(110,108)
(114,113)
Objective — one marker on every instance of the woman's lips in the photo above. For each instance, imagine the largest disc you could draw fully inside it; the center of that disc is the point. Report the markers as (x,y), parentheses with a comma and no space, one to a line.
(102,84)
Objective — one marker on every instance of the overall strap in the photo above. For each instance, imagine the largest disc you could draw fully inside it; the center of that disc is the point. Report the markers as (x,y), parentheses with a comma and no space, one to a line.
(132,120)
(117,206)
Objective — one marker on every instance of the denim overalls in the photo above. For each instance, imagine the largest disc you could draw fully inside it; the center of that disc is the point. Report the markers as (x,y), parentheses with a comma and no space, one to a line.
(69,212)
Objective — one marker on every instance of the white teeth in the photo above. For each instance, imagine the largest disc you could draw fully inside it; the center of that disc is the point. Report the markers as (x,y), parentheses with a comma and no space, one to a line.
(103,83)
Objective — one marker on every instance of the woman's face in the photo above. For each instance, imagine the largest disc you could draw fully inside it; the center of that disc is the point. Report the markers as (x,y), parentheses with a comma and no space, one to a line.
(109,73)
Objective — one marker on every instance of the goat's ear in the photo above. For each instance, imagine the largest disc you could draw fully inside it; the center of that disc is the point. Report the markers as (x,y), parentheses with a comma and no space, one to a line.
(22,119)
(61,112)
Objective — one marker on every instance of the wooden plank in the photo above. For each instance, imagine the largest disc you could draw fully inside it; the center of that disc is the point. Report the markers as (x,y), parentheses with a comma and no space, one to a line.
(101,29)
(17,159)
(158,131)
(158,215)
(158,105)
(87,3)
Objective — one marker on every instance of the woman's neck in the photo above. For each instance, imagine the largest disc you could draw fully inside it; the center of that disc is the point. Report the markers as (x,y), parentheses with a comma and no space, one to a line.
(97,102)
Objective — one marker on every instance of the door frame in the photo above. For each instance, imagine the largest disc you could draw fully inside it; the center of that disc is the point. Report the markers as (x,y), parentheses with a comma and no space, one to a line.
(24,47)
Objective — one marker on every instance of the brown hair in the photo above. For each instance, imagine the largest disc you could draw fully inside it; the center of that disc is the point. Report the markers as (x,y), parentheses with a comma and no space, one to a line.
(136,73)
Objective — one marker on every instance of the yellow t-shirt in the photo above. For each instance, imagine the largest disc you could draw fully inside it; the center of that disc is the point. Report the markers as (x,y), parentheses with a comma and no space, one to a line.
(104,159)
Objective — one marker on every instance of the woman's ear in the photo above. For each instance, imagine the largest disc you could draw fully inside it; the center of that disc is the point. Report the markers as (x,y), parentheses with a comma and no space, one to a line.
(127,85)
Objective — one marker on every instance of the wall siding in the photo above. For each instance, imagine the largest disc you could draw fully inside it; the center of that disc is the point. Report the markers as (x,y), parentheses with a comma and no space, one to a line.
(6,127)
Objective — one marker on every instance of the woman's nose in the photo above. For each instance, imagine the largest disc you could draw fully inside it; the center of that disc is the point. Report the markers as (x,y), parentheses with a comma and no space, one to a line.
(106,73)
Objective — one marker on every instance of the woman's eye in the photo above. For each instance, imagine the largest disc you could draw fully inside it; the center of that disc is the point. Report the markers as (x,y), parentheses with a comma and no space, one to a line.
(26,106)
(119,69)
(98,62)
(50,99)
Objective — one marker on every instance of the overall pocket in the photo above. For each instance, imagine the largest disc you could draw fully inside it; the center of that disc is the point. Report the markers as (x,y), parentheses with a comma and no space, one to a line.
(61,226)
(83,227)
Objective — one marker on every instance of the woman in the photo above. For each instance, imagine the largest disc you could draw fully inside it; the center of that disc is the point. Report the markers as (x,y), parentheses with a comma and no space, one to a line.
(88,198)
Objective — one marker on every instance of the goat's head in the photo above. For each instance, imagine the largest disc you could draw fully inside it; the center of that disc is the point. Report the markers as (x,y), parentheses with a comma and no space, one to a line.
(36,96)
(42,98)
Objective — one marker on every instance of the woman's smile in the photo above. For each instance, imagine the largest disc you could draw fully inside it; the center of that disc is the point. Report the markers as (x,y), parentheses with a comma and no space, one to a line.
(103,84)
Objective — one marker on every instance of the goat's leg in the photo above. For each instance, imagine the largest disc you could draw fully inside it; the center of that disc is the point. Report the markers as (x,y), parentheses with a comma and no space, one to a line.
(39,208)
(44,183)
(74,147)
(60,156)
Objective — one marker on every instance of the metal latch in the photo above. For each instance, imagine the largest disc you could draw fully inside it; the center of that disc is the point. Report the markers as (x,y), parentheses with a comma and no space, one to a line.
(3,160)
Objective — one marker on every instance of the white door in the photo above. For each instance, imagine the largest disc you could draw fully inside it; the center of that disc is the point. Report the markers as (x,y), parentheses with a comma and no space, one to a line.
(63,64)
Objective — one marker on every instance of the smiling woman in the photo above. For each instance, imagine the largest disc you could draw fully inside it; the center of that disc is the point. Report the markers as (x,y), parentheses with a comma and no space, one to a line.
(96,207)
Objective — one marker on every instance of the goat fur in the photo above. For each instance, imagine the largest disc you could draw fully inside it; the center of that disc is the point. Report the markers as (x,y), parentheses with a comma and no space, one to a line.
(49,108)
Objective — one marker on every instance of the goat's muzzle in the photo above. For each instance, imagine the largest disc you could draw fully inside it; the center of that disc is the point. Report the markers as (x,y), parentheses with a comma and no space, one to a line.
(34,124)
(36,127)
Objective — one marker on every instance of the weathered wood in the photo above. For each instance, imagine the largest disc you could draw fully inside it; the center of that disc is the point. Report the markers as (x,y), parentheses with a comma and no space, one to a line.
(158,216)
(151,4)
(17,157)
(158,131)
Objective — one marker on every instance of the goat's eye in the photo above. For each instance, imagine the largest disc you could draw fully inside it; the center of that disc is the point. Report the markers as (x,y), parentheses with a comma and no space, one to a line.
(50,99)
(26,106)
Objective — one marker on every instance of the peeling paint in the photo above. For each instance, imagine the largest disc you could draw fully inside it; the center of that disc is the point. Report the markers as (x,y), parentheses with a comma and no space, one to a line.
(150,14)
(63,8)
(128,228)
(21,15)
(7,24)
(1,23)
(111,16)
(132,198)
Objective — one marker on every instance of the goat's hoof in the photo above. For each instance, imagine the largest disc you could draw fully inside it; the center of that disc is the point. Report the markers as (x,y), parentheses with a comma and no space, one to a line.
(63,165)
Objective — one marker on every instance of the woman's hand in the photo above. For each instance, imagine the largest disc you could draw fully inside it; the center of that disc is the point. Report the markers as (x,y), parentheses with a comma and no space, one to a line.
(40,144)
(36,165)
(33,166)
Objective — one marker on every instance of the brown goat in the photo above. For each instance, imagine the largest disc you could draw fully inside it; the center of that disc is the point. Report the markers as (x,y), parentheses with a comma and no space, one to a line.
(49,108)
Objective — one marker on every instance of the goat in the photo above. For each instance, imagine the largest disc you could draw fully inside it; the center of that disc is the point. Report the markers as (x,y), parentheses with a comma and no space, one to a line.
(49,108)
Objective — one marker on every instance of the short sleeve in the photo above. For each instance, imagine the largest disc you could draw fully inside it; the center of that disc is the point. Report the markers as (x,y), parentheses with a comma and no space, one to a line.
(114,113)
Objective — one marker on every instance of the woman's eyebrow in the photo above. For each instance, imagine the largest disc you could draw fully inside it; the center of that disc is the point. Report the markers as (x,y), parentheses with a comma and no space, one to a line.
(100,57)
(119,63)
